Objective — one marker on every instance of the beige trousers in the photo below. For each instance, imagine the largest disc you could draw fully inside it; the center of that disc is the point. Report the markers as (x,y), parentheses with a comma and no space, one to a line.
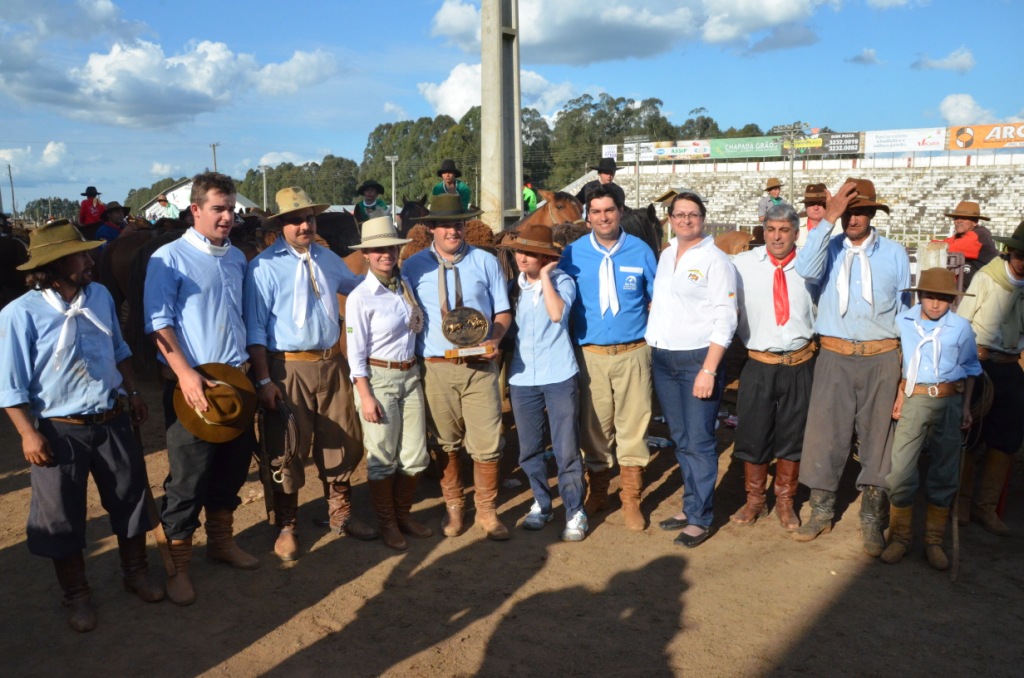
(399,442)
(615,407)
(464,407)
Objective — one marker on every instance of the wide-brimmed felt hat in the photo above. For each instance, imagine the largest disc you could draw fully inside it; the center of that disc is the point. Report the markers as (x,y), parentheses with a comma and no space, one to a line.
(55,240)
(937,280)
(91,191)
(294,199)
(448,165)
(969,210)
(114,205)
(772,183)
(605,166)
(232,403)
(447,207)
(1015,241)
(532,238)
(865,196)
(815,193)
(370,183)
(380,232)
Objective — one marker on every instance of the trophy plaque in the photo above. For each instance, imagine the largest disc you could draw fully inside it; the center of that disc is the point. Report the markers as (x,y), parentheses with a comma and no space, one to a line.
(466,328)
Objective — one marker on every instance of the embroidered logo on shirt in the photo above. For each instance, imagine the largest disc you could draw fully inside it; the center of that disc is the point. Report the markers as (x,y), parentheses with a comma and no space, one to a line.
(629,284)
(694,275)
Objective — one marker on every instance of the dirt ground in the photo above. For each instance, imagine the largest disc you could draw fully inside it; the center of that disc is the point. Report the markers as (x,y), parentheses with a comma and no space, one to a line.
(749,602)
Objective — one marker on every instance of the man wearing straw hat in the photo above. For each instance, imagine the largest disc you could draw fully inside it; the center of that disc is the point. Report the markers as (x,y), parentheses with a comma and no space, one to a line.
(772,196)
(293,335)
(64,372)
(996,313)
(970,238)
(462,393)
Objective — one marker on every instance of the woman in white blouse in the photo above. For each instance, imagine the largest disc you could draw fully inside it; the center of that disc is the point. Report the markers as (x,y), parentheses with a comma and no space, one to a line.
(692,321)
(382,320)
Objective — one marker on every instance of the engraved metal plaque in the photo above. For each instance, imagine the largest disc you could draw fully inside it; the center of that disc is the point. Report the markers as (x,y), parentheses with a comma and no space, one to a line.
(466,327)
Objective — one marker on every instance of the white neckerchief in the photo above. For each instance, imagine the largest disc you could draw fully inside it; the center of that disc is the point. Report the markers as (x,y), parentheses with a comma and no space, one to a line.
(915,360)
(306,271)
(608,296)
(843,281)
(1016,282)
(193,238)
(526,286)
(69,330)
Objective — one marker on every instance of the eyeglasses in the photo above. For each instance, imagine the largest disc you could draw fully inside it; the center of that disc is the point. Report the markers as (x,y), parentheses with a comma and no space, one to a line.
(296,219)
(685,216)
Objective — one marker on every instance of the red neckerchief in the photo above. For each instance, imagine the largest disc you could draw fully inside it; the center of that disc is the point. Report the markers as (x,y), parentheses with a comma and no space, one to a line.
(780,290)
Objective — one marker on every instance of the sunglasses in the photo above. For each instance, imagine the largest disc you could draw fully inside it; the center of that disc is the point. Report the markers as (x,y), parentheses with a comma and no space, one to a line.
(295,219)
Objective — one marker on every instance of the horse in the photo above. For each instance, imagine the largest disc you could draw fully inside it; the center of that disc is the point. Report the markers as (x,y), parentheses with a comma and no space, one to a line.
(13,253)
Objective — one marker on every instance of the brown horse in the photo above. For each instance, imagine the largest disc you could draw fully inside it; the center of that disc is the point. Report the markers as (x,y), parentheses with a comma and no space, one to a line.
(13,253)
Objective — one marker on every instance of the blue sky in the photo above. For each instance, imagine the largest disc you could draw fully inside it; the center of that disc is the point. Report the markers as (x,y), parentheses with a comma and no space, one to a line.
(119,94)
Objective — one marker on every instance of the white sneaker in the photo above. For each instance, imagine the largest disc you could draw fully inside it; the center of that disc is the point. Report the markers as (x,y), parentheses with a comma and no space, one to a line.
(576,528)
(536,519)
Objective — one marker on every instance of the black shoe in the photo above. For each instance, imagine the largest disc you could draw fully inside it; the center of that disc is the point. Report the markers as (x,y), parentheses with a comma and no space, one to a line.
(689,542)
(673,523)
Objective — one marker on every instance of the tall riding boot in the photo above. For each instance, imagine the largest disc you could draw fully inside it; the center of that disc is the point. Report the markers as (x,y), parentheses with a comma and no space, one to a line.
(786,476)
(405,494)
(179,586)
(873,519)
(900,533)
(339,506)
(220,541)
(597,491)
(966,491)
(77,597)
(382,495)
(135,569)
(485,481)
(934,531)
(755,478)
(993,480)
(454,522)
(823,505)
(632,479)
(286,507)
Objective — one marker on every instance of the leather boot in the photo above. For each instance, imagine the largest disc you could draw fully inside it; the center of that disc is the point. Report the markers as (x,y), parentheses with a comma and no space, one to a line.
(382,495)
(632,479)
(179,586)
(286,508)
(135,569)
(339,506)
(454,522)
(993,480)
(77,597)
(787,474)
(597,491)
(966,491)
(485,482)
(900,531)
(873,519)
(405,494)
(823,505)
(934,531)
(755,478)
(220,541)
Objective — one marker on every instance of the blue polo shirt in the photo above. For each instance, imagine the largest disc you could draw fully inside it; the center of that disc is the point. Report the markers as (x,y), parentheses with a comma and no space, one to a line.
(544,353)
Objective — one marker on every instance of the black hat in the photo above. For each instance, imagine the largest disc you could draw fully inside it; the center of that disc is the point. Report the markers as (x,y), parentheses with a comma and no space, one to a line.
(1015,241)
(606,166)
(91,191)
(448,165)
(370,183)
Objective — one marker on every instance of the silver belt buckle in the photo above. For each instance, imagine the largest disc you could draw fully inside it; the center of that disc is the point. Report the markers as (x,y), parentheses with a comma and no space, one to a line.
(933,390)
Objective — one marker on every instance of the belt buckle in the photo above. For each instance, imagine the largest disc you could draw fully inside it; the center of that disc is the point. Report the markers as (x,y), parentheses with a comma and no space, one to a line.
(858,348)
(786,358)
(325,353)
(933,390)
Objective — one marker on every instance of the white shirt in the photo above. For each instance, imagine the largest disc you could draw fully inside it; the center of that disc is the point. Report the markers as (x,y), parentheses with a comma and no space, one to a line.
(694,300)
(377,323)
(756,293)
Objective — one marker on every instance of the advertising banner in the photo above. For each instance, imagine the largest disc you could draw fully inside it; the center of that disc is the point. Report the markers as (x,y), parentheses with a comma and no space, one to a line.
(905,140)
(682,150)
(972,137)
(609,151)
(646,152)
(746,147)
(826,143)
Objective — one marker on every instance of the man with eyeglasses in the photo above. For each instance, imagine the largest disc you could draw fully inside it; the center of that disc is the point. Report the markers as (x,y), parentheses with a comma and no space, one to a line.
(293,333)
(864,278)
(164,209)
(462,394)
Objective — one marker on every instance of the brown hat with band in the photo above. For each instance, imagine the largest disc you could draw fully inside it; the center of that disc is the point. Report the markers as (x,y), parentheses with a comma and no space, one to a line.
(448,207)
(967,210)
(937,280)
(53,241)
(815,193)
(772,183)
(865,195)
(533,238)
(232,401)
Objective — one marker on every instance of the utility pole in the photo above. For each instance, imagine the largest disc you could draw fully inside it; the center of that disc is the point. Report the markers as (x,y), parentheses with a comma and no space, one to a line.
(14,203)
(264,169)
(394,199)
(636,141)
(214,146)
(789,134)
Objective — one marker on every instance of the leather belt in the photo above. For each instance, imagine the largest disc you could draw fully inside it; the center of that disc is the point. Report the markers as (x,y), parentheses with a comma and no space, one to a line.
(456,361)
(943,390)
(392,364)
(92,419)
(797,357)
(860,348)
(614,349)
(985,353)
(307,356)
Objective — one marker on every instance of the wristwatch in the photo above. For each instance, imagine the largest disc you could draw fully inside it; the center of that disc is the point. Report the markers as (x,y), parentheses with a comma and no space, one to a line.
(262,382)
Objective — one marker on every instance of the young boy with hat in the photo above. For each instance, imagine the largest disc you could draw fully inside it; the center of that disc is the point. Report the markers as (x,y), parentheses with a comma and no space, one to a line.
(606,169)
(372,205)
(773,189)
(940,363)
(451,184)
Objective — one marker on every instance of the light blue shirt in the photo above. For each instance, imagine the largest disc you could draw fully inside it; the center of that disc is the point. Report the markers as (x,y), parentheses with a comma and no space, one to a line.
(270,294)
(634,268)
(544,353)
(819,262)
(958,353)
(87,381)
(483,288)
(199,296)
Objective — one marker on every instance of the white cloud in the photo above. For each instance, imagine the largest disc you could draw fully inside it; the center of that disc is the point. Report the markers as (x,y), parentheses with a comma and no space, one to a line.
(161,169)
(275,158)
(30,166)
(784,37)
(304,69)
(460,91)
(867,57)
(394,109)
(53,154)
(736,20)
(459,22)
(888,4)
(962,109)
(546,97)
(960,60)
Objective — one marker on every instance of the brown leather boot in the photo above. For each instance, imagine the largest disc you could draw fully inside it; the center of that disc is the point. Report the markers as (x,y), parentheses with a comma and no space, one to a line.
(900,533)
(135,569)
(485,481)
(382,495)
(454,522)
(787,474)
(993,480)
(286,508)
(755,479)
(632,478)
(220,541)
(405,494)
(77,597)
(597,491)
(339,505)
(934,531)
(966,491)
(179,586)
